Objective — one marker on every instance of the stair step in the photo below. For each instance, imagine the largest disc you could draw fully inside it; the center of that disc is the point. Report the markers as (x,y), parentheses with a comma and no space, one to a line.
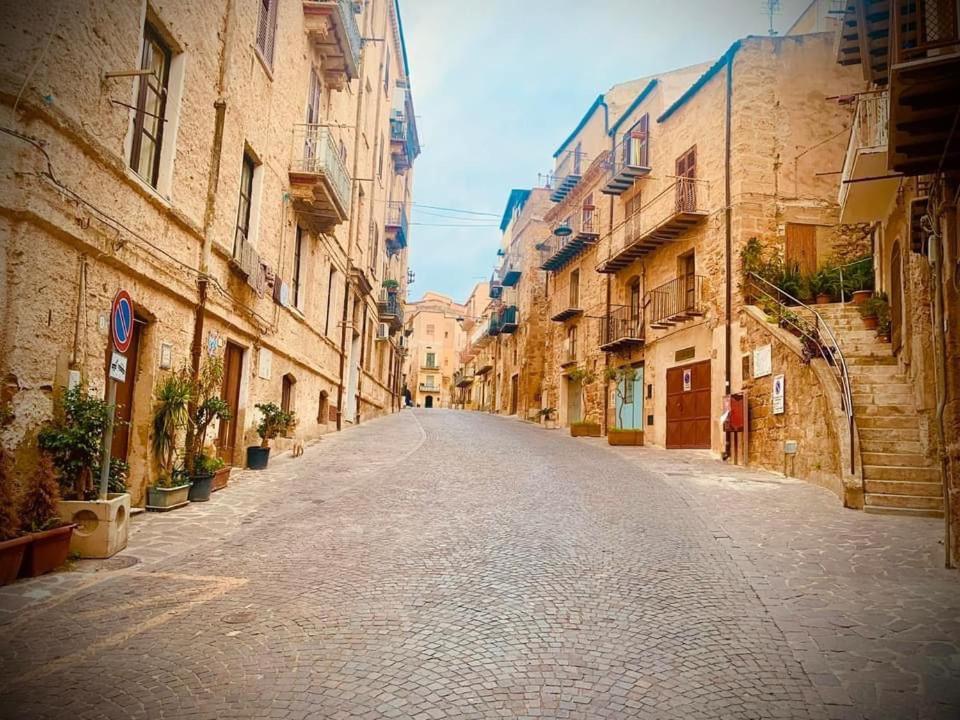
(860,355)
(889,446)
(885,409)
(884,434)
(895,459)
(887,396)
(910,502)
(895,422)
(879,386)
(900,472)
(875,369)
(902,511)
(893,487)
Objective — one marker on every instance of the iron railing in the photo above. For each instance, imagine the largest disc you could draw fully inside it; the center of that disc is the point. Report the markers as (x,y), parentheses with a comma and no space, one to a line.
(819,339)
(683,196)
(315,152)
(622,323)
(584,228)
(509,319)
(572,163)
(390,305)
(679,298)
(631,152)
(923,29)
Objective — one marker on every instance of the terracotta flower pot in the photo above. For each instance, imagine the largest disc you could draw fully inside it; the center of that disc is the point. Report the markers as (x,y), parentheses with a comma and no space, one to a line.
(47,551)
(162,499)
(870,322)
(861,296)
(221,478)
(823,299)
(11,558)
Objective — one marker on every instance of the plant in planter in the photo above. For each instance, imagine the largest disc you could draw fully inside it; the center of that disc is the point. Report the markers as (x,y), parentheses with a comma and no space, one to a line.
(391,286)
(40,516)
(883,320)
(859,279)
(621,378)
(868,312)
(207,406)
(274,421)
(73,442)
(13,541)
(170,417)
(583,427)
(548,417)
(822,284)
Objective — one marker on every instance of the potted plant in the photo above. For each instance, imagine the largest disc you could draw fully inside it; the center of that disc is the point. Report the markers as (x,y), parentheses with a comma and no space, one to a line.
(170,416)
(207,406)
(860,279)
(868,312)
(392,286)
(73,441)
(883,320)
(620,435)
(548,416)
(49,536)
(274,421)
(583,428)
(220,470)
(821,285)
(13,542)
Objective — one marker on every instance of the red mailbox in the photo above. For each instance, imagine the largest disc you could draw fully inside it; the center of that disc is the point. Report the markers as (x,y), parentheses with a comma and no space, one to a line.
(734,405)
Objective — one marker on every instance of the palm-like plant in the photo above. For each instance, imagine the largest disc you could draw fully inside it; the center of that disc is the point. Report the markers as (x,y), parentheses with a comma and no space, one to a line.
(170,415)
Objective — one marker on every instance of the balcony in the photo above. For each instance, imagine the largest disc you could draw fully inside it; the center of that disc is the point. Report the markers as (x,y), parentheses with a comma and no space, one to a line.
(864,190)
(569,239)
(467,354)
(430,367)
(675,302)
(630,162)
(510,270)
(484,366)
(622,329)
(462,378)
(914,48)
(403,142)
(494,327)
(395,226)
(319,181)
(495,291)
(676,210)
(429,387)
(390,309)
(570,167)
(332,28)
(509,320)
(480,336)
(565,303)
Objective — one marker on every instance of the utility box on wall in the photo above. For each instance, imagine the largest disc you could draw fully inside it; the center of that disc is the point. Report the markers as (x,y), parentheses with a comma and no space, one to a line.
(735,417)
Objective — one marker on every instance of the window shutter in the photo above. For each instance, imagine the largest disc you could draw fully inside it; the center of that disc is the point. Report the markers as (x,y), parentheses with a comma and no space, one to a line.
(267,29)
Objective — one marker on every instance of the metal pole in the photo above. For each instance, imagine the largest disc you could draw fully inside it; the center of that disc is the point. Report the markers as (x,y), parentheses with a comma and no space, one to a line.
(108,439)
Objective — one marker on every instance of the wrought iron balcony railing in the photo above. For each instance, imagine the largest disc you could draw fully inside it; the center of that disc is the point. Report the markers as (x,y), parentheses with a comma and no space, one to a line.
(332,26)
(672,212)
(565,302)
(570,167)
(570,237)
(676,301)
(396,225)
(509,319)
(629,162)
(866,158)
(622,328)
(924,30)
(316,160)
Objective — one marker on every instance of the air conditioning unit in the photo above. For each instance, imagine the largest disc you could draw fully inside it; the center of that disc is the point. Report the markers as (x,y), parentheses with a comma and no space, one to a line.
(383,331)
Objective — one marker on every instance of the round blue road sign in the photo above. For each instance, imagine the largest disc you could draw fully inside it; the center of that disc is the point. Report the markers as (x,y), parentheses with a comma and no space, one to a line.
(121,321)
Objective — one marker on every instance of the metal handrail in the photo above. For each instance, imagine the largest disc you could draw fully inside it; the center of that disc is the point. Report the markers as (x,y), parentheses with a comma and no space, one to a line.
(828,349)
(623,321)
(682,295)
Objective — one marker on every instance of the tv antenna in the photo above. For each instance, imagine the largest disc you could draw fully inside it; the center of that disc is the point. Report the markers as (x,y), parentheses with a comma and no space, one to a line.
(771,8)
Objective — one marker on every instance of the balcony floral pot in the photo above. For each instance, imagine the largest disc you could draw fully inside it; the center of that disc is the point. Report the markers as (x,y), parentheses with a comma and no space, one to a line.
(624,436)
(584,429)
(46,551)
(11,558)
(164,499)
(870,322)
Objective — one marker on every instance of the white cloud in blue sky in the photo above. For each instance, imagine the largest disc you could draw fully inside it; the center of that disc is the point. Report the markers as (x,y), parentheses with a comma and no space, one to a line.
(499,84)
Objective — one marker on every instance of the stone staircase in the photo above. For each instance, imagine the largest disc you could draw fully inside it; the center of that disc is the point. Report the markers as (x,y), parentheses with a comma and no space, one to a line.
(899,477)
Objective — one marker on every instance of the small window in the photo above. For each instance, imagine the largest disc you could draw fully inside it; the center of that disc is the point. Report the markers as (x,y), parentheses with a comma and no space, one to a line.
(267,30)
(575,289)
(246,199)
(383,147)
(298,269)
(286,394)
(151,106)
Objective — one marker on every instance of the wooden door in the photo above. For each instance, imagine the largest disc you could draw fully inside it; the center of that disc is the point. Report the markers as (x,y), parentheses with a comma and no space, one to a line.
(230,392)
(688,406)
(801,248)
(124,413)
(686,188)
(573,401)
(896,298)
(629,404)
(687,272)
(514,393)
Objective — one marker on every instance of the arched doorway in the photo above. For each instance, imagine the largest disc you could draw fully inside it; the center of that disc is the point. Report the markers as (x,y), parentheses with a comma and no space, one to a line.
(896,298)
(428,402)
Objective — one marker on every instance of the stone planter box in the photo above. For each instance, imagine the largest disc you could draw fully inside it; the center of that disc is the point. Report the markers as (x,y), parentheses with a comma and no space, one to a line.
(11,558)
(585,430)
(162,499)
(221,478)
(617,436)
(46,551)
(103,526)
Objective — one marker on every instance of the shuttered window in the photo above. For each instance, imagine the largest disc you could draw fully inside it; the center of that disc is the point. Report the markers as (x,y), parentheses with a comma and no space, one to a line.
(150,108)
(267,29)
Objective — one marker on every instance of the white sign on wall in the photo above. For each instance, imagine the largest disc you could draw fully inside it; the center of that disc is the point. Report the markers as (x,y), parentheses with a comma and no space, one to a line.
(687,380)
(118,367)
(762,363)
(264,363)
(778,394)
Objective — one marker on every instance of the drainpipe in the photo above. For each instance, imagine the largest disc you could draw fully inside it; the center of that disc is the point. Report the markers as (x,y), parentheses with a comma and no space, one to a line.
(606,356)
(728,252)
(354,221)
(81,307)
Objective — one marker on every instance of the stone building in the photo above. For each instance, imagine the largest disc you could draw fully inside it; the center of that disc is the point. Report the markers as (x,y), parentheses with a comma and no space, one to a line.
(472,379)
(434,337)
(900,178)
(243,169)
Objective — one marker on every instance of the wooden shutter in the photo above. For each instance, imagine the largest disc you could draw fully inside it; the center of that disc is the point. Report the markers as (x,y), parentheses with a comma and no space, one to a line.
(801,248)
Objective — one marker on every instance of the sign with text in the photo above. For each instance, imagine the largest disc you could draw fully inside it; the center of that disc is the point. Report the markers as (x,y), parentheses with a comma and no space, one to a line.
(687,380)
(778,394)
(762,362)
(118,367)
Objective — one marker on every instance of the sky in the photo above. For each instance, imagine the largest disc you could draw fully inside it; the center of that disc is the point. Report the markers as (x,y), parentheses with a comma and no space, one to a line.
(499,84)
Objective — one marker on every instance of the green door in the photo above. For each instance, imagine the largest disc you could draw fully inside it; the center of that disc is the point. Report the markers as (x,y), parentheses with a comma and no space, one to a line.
(629,403)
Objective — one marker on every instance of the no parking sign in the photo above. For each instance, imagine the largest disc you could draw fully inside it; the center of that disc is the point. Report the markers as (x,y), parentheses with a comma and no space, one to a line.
(121,321)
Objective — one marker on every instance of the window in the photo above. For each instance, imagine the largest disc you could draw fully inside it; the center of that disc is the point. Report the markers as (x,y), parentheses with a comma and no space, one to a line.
(313,99)
(246,199)
(298,269)
(386,71)
(267,29)
(431,330)
(572,342)
(637,149)
(431,359)
(635,299)
(687,272)
(322,408)
(627,392)
(331,283)
(374,248)
(150,107)
(383,145)
(686,187)
(286,393)
(575,288)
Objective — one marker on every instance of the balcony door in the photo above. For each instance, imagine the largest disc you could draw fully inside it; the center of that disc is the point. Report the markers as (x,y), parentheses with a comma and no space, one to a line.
(635,300)
(686,187)
(636,151)
(687,277)
(587,214)
(574,289)
(311,137)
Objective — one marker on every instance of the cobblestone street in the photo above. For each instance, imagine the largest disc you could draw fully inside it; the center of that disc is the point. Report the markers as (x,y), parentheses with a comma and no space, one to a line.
(443,564)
